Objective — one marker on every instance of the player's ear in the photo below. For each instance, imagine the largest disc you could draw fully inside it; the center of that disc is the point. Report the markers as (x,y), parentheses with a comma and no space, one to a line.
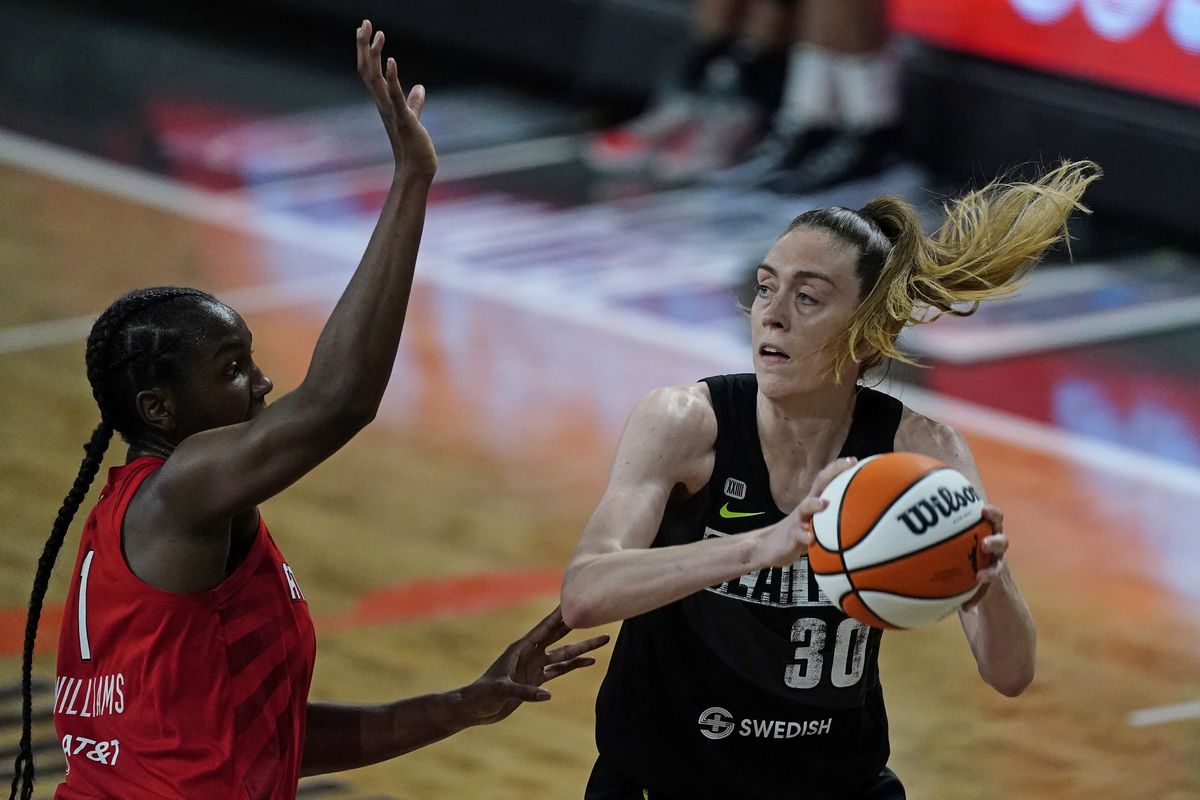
(156,408)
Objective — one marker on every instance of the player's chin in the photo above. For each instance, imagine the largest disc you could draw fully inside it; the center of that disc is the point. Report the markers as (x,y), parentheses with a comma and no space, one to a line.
(775,374)
(783,380)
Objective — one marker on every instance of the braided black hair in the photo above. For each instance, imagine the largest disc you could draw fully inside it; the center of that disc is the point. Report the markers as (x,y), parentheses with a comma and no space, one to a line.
(143,339)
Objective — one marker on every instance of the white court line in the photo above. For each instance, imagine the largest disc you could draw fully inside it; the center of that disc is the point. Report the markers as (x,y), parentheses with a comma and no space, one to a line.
(285,294)
(969,346)
(464,165)
(344,245)
(1160,714)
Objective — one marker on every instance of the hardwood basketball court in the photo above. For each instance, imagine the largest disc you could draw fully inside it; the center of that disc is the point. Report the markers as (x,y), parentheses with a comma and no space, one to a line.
(440,533)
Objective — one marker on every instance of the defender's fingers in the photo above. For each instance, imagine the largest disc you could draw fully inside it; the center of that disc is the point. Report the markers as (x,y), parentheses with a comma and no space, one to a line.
(394,89)
(555,670)
(570,651)
(550,629)
(360,49)
(416,100)
(525,691)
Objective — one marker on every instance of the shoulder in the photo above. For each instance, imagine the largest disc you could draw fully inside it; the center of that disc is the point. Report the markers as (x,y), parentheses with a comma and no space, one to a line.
(678,410)
(920,434)
(670,437)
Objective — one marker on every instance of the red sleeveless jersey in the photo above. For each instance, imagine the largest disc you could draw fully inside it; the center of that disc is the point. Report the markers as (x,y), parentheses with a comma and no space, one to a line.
(179,695)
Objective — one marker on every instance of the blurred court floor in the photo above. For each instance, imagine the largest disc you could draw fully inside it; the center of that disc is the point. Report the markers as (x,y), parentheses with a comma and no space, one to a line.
(548,301)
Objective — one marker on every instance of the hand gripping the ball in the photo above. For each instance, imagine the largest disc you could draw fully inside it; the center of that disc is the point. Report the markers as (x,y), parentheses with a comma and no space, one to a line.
(783,543)
(994,546)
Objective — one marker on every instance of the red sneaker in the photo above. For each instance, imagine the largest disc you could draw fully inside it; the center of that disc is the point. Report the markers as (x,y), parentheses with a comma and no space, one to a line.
(630,147)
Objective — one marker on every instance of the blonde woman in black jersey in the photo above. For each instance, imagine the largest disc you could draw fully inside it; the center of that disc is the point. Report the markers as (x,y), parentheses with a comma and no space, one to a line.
(733,676)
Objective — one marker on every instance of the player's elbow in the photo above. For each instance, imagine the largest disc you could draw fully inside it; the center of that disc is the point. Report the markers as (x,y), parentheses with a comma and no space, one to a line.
(1013,688)
(577,612)
(355,417)
(579,606)
(1010,683)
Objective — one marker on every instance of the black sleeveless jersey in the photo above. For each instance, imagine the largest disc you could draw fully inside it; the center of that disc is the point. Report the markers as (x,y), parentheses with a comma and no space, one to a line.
(758,687)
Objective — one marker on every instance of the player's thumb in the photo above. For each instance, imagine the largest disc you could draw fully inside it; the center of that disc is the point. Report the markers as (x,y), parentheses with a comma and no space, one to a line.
(416,99)
(528,693)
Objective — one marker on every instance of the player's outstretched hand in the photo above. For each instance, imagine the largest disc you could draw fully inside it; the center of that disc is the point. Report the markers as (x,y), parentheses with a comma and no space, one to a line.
(991,560)
(526,664)
(411,145)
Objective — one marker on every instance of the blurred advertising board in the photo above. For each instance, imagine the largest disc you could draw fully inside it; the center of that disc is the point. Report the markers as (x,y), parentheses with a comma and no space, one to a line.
(1147,46)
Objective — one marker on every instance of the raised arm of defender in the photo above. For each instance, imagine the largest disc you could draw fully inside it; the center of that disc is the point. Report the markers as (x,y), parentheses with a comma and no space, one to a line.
(228,470)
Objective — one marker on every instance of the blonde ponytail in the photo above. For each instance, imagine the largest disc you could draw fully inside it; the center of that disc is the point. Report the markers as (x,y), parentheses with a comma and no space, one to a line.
(985,247)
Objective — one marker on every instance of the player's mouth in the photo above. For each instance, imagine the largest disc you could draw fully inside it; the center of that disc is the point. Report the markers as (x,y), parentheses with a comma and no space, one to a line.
(769,354)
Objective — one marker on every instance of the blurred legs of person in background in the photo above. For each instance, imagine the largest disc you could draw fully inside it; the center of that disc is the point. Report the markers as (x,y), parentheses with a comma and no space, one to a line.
(718,104)
(840,115)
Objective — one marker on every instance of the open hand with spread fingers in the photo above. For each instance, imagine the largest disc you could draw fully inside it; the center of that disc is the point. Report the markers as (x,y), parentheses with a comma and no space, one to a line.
(518,674)
(411,145)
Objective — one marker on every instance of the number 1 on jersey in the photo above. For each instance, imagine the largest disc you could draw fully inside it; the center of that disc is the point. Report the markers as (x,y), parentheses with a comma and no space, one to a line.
(85,647)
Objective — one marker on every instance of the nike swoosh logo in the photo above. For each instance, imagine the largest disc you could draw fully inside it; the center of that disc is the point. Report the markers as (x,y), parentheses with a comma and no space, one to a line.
(727,514)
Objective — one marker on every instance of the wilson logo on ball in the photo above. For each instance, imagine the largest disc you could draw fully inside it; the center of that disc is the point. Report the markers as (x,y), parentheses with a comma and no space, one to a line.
(925,514)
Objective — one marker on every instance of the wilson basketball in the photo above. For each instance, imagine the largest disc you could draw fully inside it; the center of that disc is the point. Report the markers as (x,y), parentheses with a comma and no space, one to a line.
(899,544)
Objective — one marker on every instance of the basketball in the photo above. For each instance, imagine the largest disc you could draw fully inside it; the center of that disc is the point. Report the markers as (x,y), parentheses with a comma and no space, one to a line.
(898,545)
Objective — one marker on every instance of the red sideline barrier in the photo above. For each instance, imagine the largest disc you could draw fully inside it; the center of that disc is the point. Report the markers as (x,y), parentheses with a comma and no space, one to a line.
(1149,46)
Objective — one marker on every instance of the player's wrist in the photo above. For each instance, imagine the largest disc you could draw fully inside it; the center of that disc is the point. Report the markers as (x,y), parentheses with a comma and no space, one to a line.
(756,548)
(409,176)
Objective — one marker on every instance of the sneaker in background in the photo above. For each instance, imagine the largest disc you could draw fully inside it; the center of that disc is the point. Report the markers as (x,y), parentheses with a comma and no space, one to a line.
(631,146)
(846,156)
(775,154)
(720,133)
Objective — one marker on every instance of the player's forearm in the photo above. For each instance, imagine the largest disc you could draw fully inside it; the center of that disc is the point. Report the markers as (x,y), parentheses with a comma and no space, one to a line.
(624,583)
(1003,637)
(341,736)
(355,352)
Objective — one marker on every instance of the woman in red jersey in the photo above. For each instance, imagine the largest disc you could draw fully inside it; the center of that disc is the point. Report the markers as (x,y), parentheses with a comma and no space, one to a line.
(184,665)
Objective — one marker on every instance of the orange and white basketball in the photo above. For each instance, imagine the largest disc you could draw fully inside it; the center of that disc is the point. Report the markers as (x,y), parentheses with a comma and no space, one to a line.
(900,542)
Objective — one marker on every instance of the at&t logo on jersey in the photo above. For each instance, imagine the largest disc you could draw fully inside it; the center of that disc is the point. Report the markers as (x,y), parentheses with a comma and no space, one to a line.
(717,723)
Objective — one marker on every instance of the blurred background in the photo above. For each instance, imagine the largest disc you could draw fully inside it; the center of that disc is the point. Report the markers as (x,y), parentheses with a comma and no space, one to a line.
(611,171)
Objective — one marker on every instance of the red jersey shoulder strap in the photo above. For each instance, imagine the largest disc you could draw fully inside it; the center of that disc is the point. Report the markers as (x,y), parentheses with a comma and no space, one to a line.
(123,483)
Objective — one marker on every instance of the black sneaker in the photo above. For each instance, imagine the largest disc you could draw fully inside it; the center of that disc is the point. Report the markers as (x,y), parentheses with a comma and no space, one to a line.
(846,156)
(777,153)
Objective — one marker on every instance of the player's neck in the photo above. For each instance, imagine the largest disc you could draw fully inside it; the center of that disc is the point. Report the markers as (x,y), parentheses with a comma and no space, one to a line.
(806,430)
